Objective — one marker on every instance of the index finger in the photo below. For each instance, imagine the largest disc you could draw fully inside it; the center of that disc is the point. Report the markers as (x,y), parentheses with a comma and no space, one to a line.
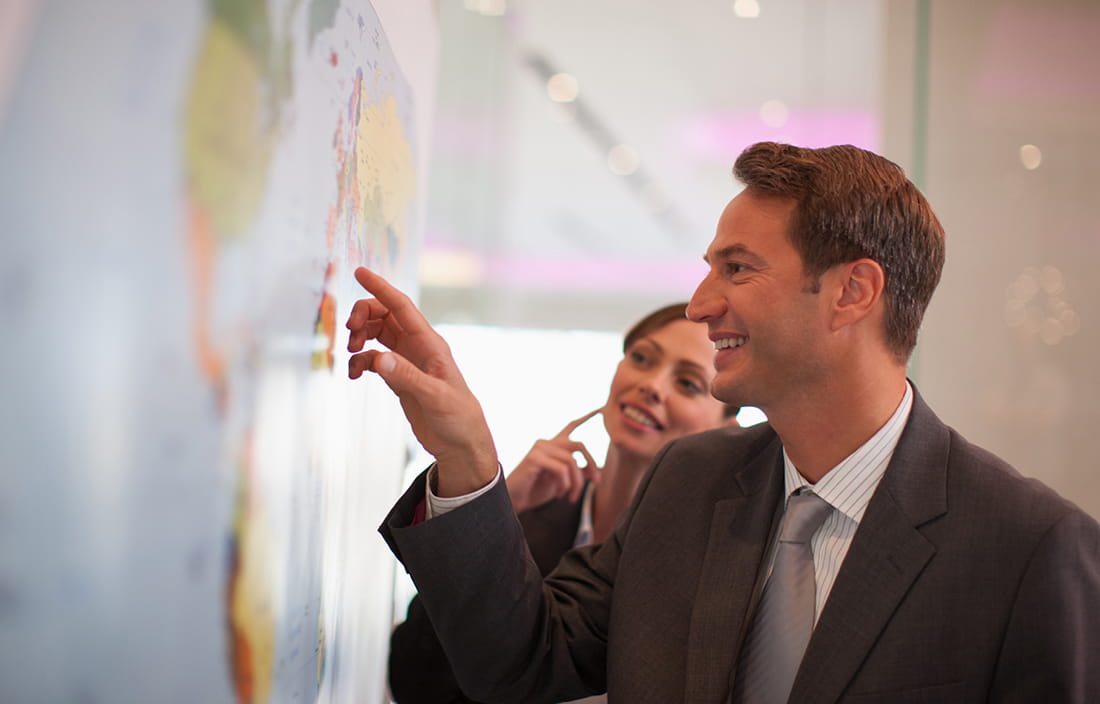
(400,306)
(574,424)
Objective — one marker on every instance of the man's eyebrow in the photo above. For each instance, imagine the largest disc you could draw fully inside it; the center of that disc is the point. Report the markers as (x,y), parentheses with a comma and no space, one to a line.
(736,250)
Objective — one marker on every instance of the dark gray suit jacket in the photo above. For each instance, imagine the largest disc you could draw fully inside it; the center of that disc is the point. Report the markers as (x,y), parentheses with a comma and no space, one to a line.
(964,583)
(419,672)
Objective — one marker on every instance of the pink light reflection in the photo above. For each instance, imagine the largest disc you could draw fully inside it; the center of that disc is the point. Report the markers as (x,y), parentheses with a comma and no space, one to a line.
(594,274)
(1042,53)
(468,133)
(722,135)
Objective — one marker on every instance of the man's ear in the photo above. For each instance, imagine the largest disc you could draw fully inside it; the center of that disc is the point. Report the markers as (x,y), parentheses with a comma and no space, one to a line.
(860,289)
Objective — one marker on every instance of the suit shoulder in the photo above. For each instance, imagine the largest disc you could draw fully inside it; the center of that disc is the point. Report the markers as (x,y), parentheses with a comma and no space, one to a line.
(995,483)
(744,442)
(713,455)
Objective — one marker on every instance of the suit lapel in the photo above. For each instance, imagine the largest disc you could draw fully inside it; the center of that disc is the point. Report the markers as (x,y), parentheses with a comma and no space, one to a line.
(887,554)
(739,529)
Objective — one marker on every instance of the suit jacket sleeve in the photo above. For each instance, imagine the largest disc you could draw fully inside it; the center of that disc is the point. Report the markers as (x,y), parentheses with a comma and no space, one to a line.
(419,672)
(484,594)
(1051,649)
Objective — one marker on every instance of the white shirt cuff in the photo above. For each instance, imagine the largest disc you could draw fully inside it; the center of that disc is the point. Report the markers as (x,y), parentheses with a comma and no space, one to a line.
(437,505)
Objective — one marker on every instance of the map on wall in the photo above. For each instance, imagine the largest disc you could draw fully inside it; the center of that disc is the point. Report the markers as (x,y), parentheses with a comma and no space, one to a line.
(191,485)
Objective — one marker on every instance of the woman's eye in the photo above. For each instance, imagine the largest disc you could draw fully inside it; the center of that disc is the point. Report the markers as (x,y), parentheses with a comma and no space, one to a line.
(691,386)
(638,357)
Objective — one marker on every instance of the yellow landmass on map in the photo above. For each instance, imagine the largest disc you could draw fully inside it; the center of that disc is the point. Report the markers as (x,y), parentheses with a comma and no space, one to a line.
(251,612)
(229,133)
(375,180)
(385,175)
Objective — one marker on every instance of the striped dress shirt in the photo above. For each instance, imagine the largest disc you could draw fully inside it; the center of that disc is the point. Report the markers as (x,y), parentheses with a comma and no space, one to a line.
(847,487)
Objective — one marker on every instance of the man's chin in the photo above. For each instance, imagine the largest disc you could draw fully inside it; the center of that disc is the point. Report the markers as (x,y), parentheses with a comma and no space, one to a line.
(732,392)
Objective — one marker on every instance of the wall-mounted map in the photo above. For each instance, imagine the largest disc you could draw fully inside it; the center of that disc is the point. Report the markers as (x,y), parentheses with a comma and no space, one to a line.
(190,484)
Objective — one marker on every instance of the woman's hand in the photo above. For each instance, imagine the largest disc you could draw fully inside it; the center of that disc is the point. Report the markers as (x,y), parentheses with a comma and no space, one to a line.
(444,414)
(550,469)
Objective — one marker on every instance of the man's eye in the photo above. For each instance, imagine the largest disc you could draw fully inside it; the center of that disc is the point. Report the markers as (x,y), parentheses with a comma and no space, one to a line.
(736,268)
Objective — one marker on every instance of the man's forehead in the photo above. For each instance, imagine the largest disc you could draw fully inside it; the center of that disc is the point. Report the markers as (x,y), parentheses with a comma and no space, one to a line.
(753,220)
(719,251)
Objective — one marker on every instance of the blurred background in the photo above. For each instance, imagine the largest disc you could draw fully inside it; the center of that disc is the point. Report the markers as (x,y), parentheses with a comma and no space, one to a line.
(582,154)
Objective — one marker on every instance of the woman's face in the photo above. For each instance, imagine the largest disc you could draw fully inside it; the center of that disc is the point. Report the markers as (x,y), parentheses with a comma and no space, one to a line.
(661,390)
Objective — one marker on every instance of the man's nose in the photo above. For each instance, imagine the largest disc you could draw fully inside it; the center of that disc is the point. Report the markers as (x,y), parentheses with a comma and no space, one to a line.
(703,304)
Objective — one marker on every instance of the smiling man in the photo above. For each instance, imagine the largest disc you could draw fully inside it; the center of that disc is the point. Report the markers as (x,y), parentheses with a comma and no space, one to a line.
(852,548)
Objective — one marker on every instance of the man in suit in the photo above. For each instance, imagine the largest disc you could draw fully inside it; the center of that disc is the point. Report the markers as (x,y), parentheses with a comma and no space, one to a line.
(939,573)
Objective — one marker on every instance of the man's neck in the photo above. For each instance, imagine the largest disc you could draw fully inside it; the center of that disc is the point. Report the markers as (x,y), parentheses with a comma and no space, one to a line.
(818,431)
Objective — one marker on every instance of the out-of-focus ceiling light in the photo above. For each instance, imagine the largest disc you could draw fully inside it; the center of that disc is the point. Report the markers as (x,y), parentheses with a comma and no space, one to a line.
(1030,156)
(1038,304)
(486,7)
(774,113)
(623,160)
(562,88)
(747,9)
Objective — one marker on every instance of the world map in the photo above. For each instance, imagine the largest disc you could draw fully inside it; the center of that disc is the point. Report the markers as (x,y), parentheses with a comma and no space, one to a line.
(207,479)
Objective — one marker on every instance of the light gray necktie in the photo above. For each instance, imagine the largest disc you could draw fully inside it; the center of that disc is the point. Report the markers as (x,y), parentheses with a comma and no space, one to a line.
(784,619)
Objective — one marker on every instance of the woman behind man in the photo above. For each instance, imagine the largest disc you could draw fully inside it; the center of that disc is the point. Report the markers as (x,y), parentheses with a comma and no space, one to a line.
(660,391)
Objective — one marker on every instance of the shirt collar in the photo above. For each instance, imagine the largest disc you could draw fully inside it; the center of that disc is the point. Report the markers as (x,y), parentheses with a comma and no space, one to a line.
(848,486)
(585,531)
